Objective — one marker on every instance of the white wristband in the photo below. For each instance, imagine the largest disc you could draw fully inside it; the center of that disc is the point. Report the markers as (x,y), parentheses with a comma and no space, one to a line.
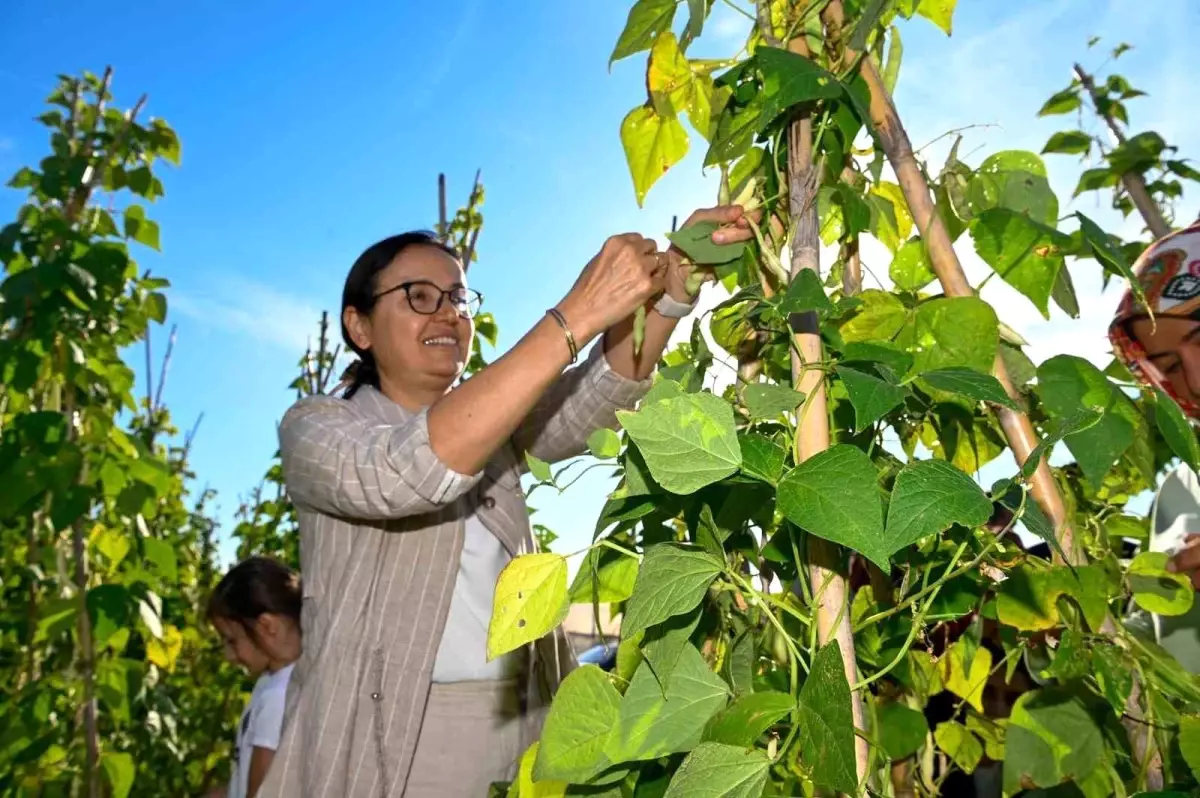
(673,309)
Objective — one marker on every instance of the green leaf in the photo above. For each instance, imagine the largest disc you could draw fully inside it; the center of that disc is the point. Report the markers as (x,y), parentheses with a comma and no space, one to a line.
(539,469)
(119,770)
(605,576)
(748,718)
(162,555)
(1156,589)
(880,317)
(762,458)
(650,725)
(1082,420)
(1069,142)
(805,293)
(531,600)
(939,12)
(1015,180)
(1189,742)
(696,242)
(1067,384)
(1064,102)
(770,400)
(929,496)
(971,384)
(911,269)
(663,644)
(1028,599)
(902,730)
(789,79)
(1051,737)
(646,20)
(1176,429)
(156,306)
(714,770)
(1026,254)
(966,679)
(1096,179)
(577,728)
(671,581)
(1137,153)
(812,497)
(952,332)
(688,441)
(1063,293)
(871,396)
(898,361)
(826,723)
(139,228)
(604,443)
(1107,253)
(653,144)
(959,744)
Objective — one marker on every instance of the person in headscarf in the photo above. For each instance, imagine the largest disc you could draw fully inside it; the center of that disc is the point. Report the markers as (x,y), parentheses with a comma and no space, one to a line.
(1158,340)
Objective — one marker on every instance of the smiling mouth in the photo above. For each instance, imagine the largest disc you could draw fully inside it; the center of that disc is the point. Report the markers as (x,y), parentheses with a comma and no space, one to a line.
(441,340)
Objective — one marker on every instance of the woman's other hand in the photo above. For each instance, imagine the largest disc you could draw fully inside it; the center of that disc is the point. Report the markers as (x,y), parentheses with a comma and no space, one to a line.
(626,273)
(1187,560)
(734,227)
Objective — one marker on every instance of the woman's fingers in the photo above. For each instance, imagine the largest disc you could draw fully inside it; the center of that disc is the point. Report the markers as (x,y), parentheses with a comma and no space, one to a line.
(1187,560)
(733,220)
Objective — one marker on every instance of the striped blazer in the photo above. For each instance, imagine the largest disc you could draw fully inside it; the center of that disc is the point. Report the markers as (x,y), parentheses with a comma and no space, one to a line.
(381,533)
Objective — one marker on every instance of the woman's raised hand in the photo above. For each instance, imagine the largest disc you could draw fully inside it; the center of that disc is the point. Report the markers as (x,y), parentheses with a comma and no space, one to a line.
(626,273)
(734,227)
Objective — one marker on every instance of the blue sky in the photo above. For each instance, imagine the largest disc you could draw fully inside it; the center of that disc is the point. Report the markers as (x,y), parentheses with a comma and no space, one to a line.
(310,131)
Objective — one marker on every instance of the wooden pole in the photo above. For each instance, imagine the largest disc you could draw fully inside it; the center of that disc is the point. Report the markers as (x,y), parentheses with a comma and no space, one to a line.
(827,562)
(1134,184)
(1017,429)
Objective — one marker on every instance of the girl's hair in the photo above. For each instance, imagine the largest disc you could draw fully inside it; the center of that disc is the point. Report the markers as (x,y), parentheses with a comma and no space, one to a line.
(360,290)
(253,587)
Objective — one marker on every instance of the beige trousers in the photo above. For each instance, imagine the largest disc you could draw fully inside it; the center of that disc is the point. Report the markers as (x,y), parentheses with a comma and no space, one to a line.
(473,734)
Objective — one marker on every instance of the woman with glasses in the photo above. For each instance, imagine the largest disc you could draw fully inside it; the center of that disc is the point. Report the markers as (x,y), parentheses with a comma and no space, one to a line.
(407,490)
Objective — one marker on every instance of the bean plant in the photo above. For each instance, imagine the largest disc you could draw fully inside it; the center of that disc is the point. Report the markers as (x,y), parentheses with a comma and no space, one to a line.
(817,594)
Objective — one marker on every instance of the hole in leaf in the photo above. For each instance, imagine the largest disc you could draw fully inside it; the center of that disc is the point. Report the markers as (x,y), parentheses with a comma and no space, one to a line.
(520,623)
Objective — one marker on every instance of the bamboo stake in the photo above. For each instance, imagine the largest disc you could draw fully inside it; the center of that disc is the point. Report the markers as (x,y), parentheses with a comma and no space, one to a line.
(827,570)
(1017,429)
(1134,184)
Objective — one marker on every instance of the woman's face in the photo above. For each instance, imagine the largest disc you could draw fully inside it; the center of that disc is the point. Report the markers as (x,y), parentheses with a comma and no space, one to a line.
(427,352)
(240,648)
(1173,346)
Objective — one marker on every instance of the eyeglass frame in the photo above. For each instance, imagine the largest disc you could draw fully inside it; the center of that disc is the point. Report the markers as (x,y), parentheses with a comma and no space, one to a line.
(442,294)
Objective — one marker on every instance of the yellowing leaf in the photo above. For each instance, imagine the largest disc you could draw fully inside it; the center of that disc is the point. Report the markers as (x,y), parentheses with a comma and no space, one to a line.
(939,12)
(164,652)
(669,76)
(653,144)
(531,599)
(964,683)
(526,787)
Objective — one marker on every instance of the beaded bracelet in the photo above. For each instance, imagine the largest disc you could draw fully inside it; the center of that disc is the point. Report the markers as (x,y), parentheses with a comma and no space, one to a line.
(558,317)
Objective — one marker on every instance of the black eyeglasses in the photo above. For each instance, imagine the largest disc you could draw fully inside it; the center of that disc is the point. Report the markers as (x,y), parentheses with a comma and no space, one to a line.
(426,298)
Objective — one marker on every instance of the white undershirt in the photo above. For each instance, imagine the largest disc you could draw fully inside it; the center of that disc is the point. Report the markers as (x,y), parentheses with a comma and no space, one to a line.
(260,726)
(462,653)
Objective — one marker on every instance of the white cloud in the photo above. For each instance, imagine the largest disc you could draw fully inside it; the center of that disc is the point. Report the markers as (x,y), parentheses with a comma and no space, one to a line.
(256,310)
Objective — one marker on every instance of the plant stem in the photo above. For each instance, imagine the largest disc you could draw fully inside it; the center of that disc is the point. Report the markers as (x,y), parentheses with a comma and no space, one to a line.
(1134,184)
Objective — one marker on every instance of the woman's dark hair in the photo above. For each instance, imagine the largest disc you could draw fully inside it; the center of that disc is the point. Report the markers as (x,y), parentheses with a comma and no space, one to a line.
(360,290)
(255,586)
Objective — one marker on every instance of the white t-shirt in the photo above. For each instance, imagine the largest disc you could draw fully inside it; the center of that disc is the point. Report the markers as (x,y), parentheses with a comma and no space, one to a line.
(260,727)
(462,654)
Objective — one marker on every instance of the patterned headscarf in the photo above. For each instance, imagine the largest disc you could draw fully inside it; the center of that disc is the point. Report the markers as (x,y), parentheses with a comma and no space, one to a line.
(1169,274)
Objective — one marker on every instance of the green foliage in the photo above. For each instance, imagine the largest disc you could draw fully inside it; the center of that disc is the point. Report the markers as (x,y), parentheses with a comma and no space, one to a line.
(726,680)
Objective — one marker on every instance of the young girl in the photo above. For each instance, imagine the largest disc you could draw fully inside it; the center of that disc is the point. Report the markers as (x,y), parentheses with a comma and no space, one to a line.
(256,610)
